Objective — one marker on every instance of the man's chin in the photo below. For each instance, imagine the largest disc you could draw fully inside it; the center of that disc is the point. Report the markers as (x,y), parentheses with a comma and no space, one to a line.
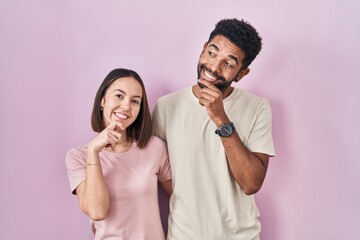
(215,83)
(219,86)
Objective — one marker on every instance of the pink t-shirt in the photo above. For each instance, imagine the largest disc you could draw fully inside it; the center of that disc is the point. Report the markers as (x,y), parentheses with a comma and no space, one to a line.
(132,179)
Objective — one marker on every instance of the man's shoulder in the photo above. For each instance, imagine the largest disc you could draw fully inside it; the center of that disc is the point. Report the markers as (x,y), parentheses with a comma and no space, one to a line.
(247,96)
(173,96)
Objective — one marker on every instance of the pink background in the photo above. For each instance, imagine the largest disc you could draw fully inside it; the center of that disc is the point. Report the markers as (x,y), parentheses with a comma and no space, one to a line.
(54,54)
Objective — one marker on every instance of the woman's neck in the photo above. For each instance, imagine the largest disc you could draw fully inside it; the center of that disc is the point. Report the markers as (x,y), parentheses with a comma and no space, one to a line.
(122,146)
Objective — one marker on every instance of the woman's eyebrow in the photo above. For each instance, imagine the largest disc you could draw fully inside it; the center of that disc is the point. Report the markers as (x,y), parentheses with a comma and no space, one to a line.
(136,96)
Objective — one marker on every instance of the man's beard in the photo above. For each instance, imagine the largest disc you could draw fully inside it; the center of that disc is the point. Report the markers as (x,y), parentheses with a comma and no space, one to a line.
(223,84)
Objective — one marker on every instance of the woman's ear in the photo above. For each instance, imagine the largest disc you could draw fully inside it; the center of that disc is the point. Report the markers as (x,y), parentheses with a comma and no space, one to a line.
(242,74)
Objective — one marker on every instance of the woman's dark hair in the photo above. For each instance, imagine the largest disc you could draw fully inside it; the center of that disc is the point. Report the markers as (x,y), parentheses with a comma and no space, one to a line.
(242,34)
(141,129)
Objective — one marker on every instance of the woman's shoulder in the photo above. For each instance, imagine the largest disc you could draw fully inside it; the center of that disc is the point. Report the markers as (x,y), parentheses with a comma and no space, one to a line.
(154,140)
(155,144)
(157,148)
(76,151)
(75,157)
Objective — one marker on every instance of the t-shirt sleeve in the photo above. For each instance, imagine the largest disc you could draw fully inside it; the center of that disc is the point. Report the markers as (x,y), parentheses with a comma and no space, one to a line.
(260,138)
(158,126)
(164,166)
(76,168)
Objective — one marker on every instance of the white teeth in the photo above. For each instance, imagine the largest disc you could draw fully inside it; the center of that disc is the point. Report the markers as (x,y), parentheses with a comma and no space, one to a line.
(121,115)
(209,76)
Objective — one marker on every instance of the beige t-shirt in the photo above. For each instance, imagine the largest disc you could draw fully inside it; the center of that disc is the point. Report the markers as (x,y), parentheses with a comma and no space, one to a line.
(207,203)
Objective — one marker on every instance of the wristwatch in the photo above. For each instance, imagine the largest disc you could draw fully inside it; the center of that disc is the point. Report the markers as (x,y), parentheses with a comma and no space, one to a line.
(225,130)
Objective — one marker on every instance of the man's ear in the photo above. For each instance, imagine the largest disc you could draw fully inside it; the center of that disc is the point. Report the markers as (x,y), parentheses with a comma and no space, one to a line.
(204,47)
(242,74)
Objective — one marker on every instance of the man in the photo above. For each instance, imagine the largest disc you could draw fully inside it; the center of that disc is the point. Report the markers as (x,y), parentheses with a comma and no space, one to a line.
(219,141)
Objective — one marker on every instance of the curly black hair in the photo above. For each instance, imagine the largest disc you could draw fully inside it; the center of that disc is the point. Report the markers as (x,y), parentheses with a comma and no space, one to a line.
(242,34)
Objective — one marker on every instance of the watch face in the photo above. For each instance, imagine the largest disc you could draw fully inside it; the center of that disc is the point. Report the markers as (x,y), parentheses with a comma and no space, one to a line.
(225,130)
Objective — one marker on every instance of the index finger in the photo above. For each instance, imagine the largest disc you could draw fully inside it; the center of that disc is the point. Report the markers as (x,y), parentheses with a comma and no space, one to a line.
(208,84)
(114,125)
(118,125)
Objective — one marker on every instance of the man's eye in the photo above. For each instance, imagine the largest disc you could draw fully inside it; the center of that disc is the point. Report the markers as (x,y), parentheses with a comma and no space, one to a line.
(211,53)
(229,65)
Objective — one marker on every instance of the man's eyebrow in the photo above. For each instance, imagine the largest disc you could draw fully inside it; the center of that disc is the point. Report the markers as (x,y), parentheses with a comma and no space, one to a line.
(214,46)
(230,56)
(136,96)
(234,58)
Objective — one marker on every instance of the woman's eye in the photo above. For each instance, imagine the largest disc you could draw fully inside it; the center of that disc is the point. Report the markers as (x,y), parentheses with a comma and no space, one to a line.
(119,96)
(135,102)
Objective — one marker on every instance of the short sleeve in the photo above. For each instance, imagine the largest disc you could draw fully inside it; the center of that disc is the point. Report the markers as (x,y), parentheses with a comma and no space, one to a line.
(164,166)
(158,126)
(76,167)
(260,138)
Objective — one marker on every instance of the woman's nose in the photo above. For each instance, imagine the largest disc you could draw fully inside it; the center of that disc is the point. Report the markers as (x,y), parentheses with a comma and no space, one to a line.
(125,105)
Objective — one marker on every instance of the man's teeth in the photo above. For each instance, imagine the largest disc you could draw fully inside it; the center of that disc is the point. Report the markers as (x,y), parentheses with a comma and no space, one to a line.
(209,76)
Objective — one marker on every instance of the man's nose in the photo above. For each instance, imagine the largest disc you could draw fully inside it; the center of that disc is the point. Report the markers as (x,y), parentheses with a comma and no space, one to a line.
(215,66)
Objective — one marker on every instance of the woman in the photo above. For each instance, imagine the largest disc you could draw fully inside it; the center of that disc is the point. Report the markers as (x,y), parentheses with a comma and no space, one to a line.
(116,175)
